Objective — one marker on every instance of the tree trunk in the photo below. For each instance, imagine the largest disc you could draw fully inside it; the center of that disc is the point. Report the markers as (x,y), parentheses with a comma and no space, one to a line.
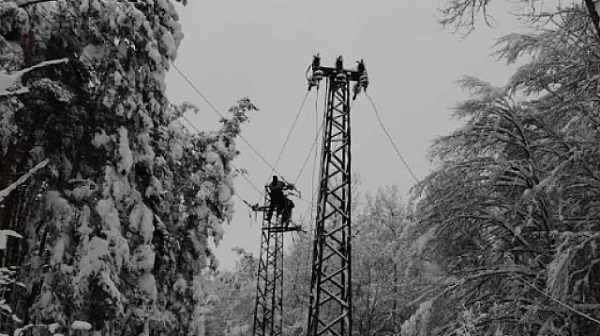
(591,6)
(395,312)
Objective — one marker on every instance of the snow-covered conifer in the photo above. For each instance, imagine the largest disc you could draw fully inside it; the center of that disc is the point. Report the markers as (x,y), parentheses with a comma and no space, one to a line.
(130,198)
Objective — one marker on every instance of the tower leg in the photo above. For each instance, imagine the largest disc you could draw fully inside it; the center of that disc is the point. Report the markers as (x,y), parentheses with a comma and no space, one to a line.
(263,308)
(330,301)
(268,309)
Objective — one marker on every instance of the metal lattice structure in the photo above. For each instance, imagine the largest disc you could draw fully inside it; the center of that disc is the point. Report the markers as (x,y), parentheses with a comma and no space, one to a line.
(268,309)
(331,296)
(330,300)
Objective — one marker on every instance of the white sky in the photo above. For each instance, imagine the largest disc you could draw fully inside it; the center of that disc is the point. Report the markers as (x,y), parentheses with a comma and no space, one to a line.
(261,49)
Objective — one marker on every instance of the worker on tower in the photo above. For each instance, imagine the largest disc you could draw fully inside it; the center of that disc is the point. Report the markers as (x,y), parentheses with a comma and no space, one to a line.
(286,215)
(276,196)
(288,206)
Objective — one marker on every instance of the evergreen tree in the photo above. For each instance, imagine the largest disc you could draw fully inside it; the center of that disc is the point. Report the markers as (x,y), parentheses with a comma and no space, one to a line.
(510,212)
(116,228)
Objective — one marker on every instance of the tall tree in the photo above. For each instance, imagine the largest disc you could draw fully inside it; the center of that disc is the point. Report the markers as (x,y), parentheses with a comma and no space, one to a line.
(510,212)
(463,15)
(232,311)
(117,228)
(296,283)
(387,273)
(377,263)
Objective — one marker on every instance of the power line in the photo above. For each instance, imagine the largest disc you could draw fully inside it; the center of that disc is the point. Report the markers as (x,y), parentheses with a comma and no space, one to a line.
(312,190)
(309,153)
(290,132)
(315,141)
(312,184)
(241,136)
(390,139)
(246,141)
(183,116)
(556,300)
(197,90)
(230,163)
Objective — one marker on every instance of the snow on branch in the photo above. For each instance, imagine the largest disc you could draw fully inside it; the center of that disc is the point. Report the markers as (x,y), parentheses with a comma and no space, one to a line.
(81,325)
(7,80)
(4,234)
(22,179)
(23,3)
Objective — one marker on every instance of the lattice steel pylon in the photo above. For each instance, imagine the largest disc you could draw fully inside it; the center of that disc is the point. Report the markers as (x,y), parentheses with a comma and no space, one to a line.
(268,309)
(330,311)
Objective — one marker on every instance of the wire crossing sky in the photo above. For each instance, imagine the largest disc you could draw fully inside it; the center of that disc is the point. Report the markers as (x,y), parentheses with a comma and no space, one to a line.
(261,49)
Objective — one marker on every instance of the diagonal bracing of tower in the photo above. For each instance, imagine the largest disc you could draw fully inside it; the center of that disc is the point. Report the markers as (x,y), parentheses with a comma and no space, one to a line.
(268,309)
(330,311)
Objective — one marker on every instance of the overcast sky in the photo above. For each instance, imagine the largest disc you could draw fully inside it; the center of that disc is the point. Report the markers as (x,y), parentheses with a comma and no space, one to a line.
(261,48)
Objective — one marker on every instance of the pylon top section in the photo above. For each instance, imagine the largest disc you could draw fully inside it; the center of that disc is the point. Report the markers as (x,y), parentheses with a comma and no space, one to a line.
(338,73)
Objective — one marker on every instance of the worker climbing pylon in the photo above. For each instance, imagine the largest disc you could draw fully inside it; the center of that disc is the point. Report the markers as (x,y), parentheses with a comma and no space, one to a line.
(279,202)
(288,206)
(286,214)
(268,309)
(276,197)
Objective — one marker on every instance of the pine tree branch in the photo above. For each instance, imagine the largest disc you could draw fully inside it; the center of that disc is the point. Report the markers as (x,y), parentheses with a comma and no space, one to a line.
(24,3)
(591,6)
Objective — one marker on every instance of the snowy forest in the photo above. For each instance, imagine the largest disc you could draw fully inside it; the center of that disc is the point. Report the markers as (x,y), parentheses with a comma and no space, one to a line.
(109,203)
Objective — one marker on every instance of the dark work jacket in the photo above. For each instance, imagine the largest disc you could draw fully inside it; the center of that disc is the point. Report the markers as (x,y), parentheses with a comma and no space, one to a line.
(276,190)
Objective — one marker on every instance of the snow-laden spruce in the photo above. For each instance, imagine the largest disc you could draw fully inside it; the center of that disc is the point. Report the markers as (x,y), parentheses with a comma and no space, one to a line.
(510,212)
(122,213)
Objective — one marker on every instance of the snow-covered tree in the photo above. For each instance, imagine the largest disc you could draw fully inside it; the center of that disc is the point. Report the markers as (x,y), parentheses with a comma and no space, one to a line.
(463,15)
(296,282)
(511,212)
(232,309)
(387,274)
(116,228)
(377,263)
